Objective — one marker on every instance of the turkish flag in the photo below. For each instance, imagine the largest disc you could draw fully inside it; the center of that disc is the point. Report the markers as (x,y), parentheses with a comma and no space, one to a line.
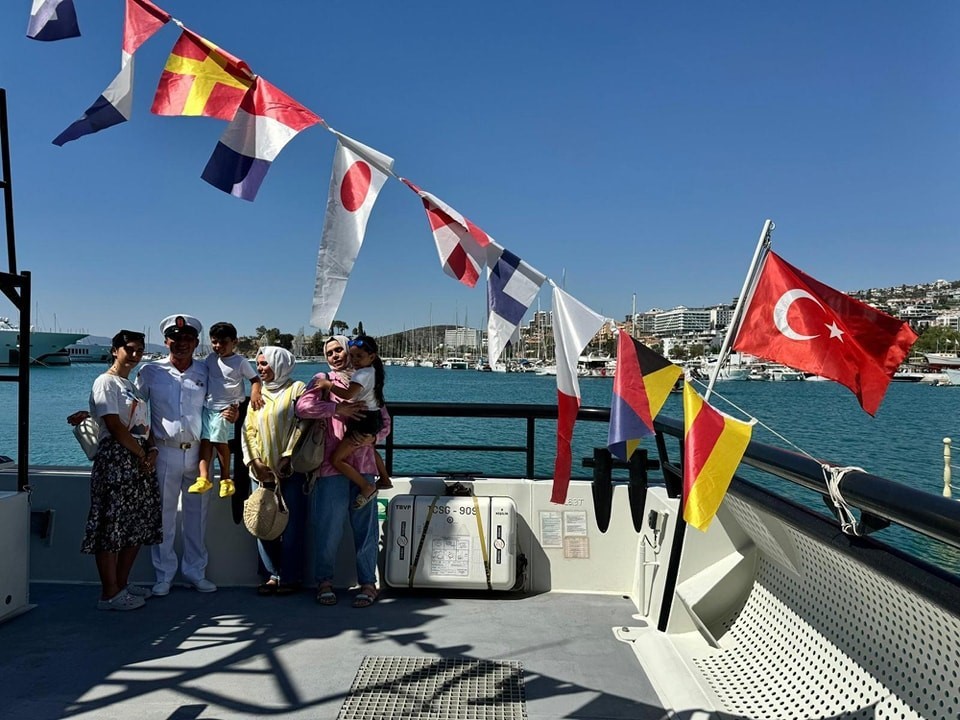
(792,319)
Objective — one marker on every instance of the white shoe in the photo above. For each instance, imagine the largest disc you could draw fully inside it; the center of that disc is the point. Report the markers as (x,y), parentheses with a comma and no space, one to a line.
(203,585)
(161,589)
(138,591)
(121,601)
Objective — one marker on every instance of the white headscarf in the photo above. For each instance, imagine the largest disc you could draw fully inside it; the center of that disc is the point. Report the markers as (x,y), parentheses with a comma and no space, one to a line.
(281,361)
(344,342)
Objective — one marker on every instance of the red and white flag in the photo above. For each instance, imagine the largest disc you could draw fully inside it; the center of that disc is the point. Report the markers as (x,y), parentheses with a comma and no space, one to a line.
(574,326)
(359,173)
(460,243)
(793,319)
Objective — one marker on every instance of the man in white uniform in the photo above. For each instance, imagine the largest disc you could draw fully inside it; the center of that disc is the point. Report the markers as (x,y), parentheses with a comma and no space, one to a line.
(176,387)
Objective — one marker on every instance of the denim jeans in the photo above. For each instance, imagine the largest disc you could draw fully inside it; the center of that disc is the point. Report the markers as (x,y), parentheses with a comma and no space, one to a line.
(284,557)
(333,498)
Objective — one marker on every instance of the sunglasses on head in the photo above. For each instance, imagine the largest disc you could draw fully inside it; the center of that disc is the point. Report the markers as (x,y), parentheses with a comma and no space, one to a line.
(360,343)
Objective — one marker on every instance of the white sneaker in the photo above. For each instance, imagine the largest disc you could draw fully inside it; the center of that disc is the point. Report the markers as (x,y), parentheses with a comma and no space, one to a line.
(121,601)
(138,591)
(161,589)
(203,585)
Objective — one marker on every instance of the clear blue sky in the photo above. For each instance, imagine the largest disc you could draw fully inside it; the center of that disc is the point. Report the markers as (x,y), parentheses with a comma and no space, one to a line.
(637,146)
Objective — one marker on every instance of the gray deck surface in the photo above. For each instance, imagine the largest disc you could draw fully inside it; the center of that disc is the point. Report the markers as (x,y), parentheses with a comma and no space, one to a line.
(231,654)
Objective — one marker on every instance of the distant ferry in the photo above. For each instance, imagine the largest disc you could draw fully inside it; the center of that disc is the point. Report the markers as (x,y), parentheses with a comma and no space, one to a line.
(46,348)
(92,353)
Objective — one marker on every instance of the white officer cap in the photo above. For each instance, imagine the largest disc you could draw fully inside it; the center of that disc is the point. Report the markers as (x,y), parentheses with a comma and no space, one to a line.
(173,325)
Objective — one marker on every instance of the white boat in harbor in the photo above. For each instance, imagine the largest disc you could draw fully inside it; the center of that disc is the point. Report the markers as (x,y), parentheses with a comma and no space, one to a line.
(781,373)
(46,348)
(455,363)
(596,366)
(953,376)
(89,353)
(943,360)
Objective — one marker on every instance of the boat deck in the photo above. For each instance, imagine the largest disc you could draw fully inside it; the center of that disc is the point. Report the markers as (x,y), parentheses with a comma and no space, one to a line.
(234,654)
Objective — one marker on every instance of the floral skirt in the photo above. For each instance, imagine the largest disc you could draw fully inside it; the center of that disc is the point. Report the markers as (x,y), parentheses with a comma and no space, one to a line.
(124,502)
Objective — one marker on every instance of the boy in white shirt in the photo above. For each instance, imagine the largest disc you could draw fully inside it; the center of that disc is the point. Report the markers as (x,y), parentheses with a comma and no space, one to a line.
(226,371)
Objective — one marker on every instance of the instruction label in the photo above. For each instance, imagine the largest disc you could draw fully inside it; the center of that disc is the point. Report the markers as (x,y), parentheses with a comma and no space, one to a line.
(450,556)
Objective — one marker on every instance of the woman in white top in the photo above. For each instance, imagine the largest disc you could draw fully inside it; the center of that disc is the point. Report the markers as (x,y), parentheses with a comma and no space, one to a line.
(124,495)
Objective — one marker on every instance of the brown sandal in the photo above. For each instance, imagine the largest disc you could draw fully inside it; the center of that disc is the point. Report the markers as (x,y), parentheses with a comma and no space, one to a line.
(326,595)
(366,597)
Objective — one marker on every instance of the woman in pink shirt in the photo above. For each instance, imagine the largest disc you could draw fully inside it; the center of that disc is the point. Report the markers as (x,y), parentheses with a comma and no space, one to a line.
(333,494)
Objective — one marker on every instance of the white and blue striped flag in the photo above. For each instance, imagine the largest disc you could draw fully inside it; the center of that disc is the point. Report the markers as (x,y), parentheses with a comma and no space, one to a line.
(512,286)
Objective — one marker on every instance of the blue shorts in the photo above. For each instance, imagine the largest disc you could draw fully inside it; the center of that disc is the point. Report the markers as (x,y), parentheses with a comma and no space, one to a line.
(215,428)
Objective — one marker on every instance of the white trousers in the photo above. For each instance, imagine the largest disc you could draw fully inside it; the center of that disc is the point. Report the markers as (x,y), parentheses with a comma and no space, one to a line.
(176,471)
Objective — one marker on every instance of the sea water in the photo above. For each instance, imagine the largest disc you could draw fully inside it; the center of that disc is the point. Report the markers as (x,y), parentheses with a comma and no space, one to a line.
(903,443)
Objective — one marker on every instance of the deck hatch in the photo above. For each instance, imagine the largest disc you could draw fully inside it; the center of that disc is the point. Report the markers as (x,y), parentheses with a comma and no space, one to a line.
(425,688)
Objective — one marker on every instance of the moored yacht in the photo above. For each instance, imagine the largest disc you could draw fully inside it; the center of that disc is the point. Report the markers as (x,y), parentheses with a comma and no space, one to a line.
(46,348)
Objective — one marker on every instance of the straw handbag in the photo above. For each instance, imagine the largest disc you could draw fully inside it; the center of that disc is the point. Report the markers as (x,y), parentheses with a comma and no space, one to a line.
(265,514)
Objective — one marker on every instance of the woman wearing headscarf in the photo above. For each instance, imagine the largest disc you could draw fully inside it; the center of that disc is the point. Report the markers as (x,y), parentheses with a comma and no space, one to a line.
(268,439)
(333,494)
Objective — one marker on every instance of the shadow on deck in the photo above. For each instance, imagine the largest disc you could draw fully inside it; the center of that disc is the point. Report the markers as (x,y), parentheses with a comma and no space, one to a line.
(233,654)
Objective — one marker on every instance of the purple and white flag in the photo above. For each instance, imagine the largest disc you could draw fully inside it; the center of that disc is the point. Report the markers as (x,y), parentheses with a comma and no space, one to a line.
(512,286)
(265,122)
(359,173)
(53,20)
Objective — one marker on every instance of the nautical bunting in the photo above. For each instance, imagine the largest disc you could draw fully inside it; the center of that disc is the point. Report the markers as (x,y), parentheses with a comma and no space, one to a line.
(359,173)
(53,20)
(141,21)
(713,445)
(115,104)
(266,120)
(460,243)
(512,286)
(201,79)
(793,319)
(641,386)
(574,325)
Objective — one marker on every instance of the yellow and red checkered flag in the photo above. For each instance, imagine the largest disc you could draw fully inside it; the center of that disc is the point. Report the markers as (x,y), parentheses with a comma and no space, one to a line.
(201,79)
(713,444)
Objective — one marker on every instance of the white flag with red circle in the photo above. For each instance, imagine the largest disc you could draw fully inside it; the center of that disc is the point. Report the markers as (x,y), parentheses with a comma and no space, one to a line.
(359,173)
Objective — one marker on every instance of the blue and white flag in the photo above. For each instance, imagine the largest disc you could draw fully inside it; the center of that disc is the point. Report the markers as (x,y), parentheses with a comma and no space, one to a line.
(115,104)
(53,20)
(512,286)
(113,107)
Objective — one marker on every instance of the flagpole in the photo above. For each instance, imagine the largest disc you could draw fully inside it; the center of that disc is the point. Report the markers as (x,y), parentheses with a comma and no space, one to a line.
(763,244)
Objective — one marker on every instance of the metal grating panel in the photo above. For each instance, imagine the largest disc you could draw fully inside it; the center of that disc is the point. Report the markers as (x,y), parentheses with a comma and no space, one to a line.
(431,688)
(837,642)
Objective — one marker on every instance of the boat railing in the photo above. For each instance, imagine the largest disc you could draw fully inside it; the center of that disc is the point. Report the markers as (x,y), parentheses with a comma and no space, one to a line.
(880,500)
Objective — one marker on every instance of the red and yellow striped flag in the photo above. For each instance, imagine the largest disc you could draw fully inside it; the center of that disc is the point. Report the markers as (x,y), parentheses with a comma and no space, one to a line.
(201,79)
(713,444)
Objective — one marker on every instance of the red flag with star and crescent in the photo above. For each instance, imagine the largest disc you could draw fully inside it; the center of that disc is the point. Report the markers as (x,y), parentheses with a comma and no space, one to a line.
(793,319)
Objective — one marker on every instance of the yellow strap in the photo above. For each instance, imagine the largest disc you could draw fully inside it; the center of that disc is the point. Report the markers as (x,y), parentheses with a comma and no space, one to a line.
(423,536)
(483,544)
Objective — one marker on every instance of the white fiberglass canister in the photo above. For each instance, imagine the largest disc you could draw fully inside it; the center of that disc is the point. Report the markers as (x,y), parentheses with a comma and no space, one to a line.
(451,542)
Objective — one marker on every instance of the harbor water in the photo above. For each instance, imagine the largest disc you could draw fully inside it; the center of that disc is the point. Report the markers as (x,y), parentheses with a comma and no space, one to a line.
(903,443)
